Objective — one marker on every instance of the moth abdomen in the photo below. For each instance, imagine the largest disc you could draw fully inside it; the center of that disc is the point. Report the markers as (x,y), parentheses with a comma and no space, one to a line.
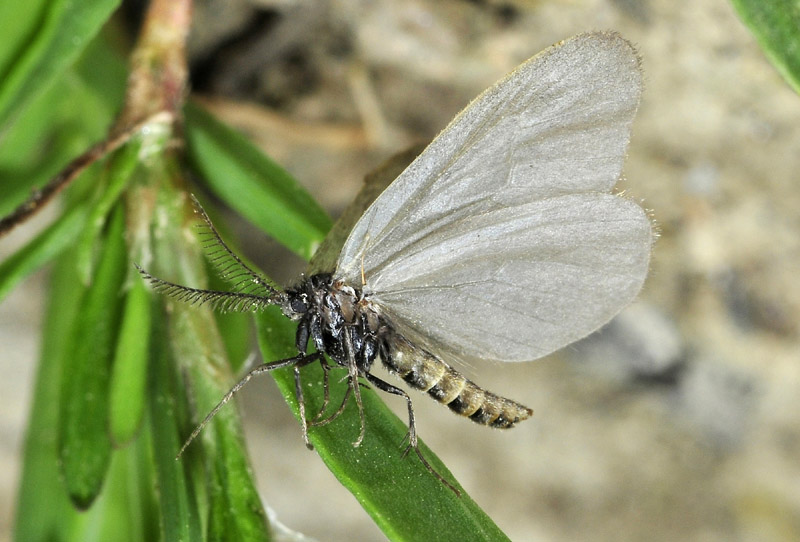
(428,373)
(482,406)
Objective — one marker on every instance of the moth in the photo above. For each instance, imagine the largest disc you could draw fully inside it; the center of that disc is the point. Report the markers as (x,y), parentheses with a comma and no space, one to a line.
(502,241)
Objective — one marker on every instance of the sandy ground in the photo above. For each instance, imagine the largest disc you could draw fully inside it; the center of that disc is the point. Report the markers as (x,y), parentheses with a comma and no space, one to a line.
(679,421)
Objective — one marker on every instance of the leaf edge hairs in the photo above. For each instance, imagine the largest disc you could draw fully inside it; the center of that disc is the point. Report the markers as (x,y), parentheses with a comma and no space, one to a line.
(502,241)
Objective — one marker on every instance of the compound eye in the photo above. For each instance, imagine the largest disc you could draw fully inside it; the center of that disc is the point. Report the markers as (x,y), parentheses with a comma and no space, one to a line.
(298,304)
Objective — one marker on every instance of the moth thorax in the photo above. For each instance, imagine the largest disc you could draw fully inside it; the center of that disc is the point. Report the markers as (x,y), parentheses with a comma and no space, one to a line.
(347,299)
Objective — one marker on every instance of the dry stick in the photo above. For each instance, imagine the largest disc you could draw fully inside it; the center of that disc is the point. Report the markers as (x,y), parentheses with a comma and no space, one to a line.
(40,197)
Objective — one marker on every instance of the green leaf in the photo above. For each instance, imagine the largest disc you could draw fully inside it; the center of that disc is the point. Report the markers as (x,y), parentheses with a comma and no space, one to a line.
(776,26)
(236,330)
(44,511)
(46,39)
(405,500)
(180,518)
(122,512)
(235,511)
(254,185)
(43,248)
(84,443)
(129,373)
(120,169)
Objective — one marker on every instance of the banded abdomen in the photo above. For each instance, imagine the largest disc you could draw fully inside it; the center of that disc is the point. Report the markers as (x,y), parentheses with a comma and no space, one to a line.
(428,373)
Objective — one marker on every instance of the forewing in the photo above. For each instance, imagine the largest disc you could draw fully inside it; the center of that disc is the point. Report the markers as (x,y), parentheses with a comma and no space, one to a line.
(501,240)
(559,124)
(519,282)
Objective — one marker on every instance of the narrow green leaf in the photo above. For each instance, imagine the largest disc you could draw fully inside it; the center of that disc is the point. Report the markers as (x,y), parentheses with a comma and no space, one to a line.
(237,334)
(118,513)
(121,512)
(405,500)
(42,249)
(44,511)
(26,15)
(254,185)
(84,444)
(142,475)
(235,511)
(180,518)
(54,37)
(117,175)
(776,26)
(129,372)
(104,88)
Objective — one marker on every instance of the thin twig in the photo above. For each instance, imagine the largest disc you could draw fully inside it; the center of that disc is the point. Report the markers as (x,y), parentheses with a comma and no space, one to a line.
(40,197)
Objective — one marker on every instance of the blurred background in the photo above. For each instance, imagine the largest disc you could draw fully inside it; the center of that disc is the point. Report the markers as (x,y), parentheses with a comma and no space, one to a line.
(681,419)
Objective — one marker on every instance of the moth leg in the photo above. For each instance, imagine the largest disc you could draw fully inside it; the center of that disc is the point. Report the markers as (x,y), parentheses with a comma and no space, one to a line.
(353,372)
(298,392)
(356,387)
(325,421)
(319,422)
(382,385)
(326,391)
(298,360)
(411,436)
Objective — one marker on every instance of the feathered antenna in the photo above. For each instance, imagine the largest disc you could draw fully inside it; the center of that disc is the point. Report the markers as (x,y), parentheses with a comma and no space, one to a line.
(231,268)
(252,291)
(218,300)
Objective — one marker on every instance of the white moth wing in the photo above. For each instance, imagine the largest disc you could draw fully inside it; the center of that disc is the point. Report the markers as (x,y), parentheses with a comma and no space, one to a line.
(527,167)
(558,124)
(518,283)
